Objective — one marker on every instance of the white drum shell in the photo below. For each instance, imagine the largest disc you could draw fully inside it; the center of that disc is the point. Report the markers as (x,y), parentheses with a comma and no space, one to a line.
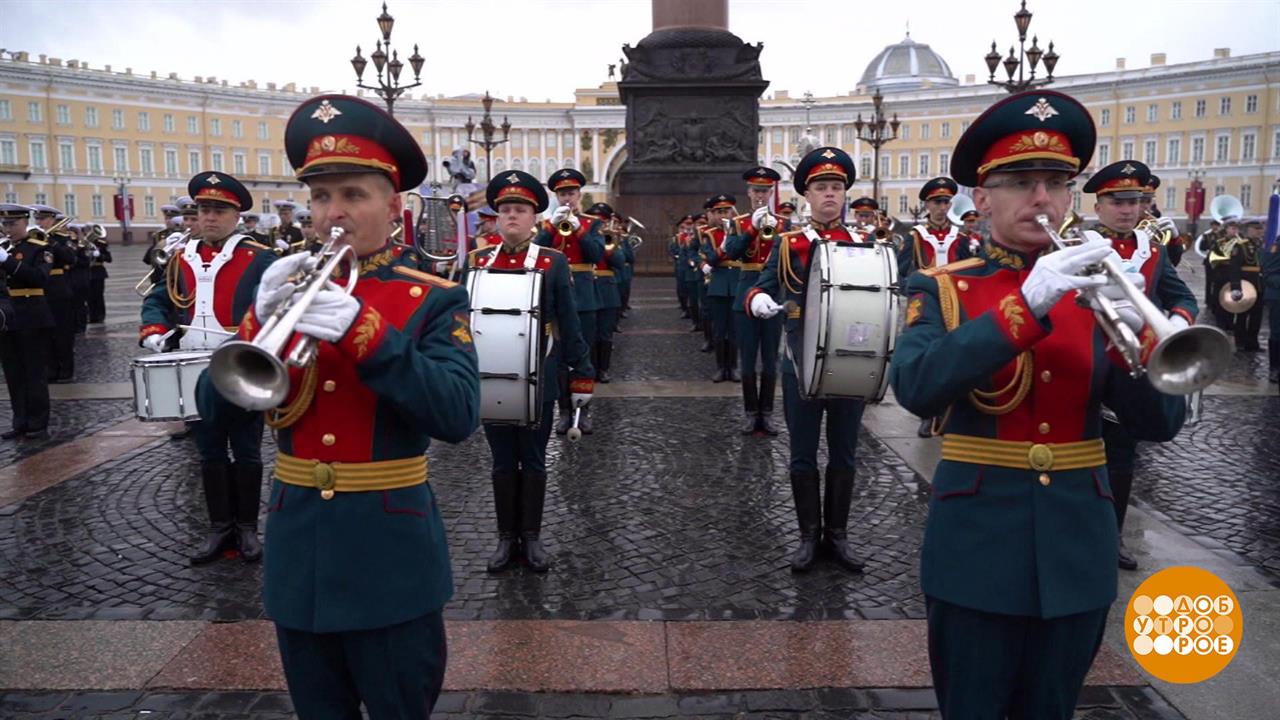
(164,385)
(850,321)
(506,327)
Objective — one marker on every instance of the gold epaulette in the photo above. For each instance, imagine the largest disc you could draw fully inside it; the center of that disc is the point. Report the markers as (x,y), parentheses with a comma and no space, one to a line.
(424,277)
(792,233)
(590,217)
(477,251)
(952,267)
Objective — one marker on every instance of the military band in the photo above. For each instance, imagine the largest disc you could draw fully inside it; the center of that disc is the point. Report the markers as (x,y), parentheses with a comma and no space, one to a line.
(608,273)
(100,257)
(26,264)
(721,279)
(59,292)
(286,236)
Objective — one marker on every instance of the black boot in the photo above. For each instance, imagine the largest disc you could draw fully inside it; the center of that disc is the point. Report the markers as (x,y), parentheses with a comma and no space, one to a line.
(731,361)
(533,492)
(839,495)
(248,479)
(1121,487)
(750,405)
(565,402)
(217,496)
(708,342)
(804,492)
(506,489)
(767,385)
(721,374)
(584,422)
(604,358)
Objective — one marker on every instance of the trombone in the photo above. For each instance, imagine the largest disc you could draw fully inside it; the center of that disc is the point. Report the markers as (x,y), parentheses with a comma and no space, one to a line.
(160,258)
(1182,362)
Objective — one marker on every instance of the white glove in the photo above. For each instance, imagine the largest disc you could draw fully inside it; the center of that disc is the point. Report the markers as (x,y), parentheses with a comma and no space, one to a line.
(4,255)
(281,244)
(1058,273)
(329,317)
(275,287)
(1166,224)
(95,255)
(1178,322)
(762,218)
(763,306)
(706,270)
(154,343)
(1113,291)
(565,213)
(727,224)
(442,267)
(174,240)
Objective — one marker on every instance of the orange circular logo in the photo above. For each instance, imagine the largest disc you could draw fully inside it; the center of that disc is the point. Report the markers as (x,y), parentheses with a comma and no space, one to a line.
(1183,625)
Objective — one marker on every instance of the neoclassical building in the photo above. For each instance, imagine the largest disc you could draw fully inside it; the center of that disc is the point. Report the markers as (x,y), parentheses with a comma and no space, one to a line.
(70,133)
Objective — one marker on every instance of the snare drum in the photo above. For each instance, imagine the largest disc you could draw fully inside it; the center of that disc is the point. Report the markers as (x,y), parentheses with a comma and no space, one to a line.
(850,321)
(506,327)
(164,385)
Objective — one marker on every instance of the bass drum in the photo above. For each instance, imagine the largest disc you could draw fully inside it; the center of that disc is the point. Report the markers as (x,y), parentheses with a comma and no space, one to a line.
(164,385)
(506,327)
(850,321)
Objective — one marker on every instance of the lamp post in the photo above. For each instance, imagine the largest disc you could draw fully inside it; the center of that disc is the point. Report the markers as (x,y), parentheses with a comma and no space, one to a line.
(808,141)
(388,87)
(1026,75)
(487,130)
(876,131)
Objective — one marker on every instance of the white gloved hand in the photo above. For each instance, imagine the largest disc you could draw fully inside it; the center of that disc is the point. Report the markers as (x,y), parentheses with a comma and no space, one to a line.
(154,343)
(1113,290)
(330,316)
(4,255)
(1178,322)
(727,224)
(706,269)
(95,256)
(564,213)
(1166,224)
(1058,273)
(1130,315)
(275,287)
(442,267)
(763,306)
(762,218)
(173,241)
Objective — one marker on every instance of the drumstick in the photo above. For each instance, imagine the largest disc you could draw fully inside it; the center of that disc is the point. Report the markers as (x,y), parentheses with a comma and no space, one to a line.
(574,434)
(791,306)
(219,331)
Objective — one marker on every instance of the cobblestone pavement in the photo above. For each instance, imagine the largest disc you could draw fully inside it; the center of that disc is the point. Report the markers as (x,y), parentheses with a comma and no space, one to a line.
(1096,703)
(68,420)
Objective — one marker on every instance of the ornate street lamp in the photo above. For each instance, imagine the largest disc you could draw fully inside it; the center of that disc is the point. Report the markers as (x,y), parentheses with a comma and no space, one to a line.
(808,140)
(388,85)
(1026,75)
(487,131)
(876,131)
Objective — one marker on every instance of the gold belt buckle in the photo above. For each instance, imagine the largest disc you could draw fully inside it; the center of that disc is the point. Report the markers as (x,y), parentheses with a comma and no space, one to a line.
(325,479)
(1040,457)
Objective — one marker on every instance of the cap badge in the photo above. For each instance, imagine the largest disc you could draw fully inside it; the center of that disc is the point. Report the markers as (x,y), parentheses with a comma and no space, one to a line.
(212,180)
(1128,169)
(325,112)
(828,154)
(1042,110)
(513,178)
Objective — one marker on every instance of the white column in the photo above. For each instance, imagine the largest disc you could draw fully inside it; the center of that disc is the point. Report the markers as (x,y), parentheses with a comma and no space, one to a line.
(768,146)
(577,150)
(595,155)
(435,148)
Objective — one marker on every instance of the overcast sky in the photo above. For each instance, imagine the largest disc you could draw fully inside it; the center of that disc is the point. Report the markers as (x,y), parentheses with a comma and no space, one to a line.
(544,49)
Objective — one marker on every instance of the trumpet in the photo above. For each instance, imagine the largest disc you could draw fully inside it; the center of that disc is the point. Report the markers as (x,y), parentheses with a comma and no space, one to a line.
(1148,224)
(160,258)
(252,374)
(564,229)
(1182,362)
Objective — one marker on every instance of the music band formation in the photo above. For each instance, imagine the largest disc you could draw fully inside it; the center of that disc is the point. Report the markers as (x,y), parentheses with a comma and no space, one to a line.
(1039,352)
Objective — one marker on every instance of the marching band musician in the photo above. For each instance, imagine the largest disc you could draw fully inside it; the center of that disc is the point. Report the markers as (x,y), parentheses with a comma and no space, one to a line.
(172,218)
(61,296)
(722,282)
(520,453)
(1147,205)
(786,210)
(25,263)
(101,255)
(675,248)
(1019,556)
(934,243)
(189,212)
(822,177)
(209,283)
(287,236)
(251,230)
(970,231)
(488,227)
(691,264)
(750,242)
(311,240)
(358,570)
(1218,260)
(1245,263)
(1271,295)
(583,247)
(1118,188)
(608,270)
(78,276)
(628,267)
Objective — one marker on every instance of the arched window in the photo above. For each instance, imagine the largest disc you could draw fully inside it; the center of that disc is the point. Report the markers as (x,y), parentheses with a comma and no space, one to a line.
(499,165)
(533,167)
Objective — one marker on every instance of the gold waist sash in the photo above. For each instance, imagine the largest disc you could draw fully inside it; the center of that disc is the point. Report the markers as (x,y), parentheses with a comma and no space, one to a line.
(1024,455)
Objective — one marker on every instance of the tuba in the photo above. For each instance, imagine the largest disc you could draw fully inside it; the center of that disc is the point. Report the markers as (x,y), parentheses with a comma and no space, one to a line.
(960,204)
(1182,362)
(254,374)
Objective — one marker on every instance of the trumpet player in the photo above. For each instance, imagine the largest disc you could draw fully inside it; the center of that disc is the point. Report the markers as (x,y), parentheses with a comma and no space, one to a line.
(251,231)
(608,276)
(287,235)
(100,254)
(1118,189)
(1018,564)
(59,291)
(25,263)
(970,230)
(675,249)
(722,282)
(358,569)
(578,237)
(1177,242)
(208,286)
(520,453)
(695,288)
(750,241)
(79,275)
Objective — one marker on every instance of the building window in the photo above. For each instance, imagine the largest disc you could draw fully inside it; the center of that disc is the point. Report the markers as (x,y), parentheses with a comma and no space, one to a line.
(1221,147)
(91,117)
(1104,155)
(6,111)
(944,132)
(1075,200)
(795,137)
(904,165)
(149,206)
(117,119)
(11,198)
(777,136)
(121,157)
(33,112)
(924,131)
(924,165)
(1275,145)
(964,125)
(1104,117)
(237,164)
(944,163)
(215,127)
(144,121)
(884,170)
(1251,104)
(866,167)
(38,161)
(905,133)
(168,123)
(1149,152)
(69,204)
(96,203)
(64,115)
(193,125)
(193,162)
(42,198)
(170,162)
(902,203)
(884,201)
(831,135)
(264,165)
(1248,143)
(237,129)
(1175,110)
(8,152)
(1170,197)
(1197,150)
(216,163)
(1153,111)
(265,134)
(1200,108)
(66,156)
(146,163)
(1224,106)
(1126,150)
(1130,115)
(1246,196)
(1173,153)
(1219,190)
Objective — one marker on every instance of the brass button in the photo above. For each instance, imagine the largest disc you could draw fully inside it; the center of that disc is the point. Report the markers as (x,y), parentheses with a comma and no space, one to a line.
(330,386)
(328,439)
(1040,457)
(1044,479)
(1046,376)
(326,494)
(1044,428)
(415,292)
(963,285)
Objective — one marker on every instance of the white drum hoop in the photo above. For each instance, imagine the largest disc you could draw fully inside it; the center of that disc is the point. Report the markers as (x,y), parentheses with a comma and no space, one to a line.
(143,391)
